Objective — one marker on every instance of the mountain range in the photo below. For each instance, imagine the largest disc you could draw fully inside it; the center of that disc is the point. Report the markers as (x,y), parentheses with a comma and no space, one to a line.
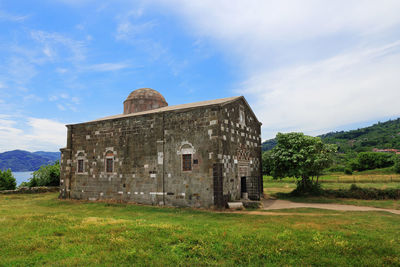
(382,135)
(20,160)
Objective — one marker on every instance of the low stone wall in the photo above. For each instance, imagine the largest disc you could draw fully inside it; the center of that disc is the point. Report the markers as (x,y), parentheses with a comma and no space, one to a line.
(31,190)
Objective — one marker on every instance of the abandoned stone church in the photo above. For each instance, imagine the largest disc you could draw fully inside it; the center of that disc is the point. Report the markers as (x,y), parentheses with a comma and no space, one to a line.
(201,154)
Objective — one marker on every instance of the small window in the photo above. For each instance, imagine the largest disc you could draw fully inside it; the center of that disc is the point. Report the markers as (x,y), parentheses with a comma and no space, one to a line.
(187,162)
(109,165)
(80,165)
(242,118)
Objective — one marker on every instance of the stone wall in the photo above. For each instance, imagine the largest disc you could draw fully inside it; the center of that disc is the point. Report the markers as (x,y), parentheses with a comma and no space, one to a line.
(147,152)
(146,169)
(31,190)
(240,134)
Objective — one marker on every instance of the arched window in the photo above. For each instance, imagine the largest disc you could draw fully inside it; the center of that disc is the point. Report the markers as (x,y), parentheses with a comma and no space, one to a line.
(109,162)
(186,151)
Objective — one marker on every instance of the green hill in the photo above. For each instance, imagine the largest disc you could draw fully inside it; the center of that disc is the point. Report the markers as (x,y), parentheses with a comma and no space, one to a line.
(20,160)
(380,135)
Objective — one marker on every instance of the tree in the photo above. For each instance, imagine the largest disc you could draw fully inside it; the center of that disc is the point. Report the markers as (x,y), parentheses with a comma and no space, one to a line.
(266,163)
(7,180)
(300,156)
(48,175)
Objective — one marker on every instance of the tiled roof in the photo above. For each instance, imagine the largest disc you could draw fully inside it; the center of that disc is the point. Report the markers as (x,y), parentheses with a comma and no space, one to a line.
(172,108)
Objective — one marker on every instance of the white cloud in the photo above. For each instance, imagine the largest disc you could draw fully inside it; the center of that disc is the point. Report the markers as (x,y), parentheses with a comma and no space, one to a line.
(289,20)
(64,101)
(128,31)
(54,43)
(32,98)
(20,71)
(360,85)
(60,107)
(106,67)
(307,65)
(40,134)
(61,70)
(9,17)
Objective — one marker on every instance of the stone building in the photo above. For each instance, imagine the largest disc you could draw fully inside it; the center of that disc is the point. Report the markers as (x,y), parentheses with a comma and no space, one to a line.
(200,154)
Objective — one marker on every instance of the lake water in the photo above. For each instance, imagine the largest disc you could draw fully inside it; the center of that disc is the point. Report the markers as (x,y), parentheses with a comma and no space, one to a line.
(22,177)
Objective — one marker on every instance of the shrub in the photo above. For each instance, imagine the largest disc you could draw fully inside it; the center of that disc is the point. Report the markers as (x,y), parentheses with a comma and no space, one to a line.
(306,187)
(372,160)
(336,168)
(348,170)
(364,193)
(396,166)
(48,175)
(7,180)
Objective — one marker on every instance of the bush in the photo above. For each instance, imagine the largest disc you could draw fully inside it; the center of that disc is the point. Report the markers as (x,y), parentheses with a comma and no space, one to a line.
(364,193)
(372,160)
(306,187)
(7,180)
(336,168)
(396,166)
(46,176)
(348,171)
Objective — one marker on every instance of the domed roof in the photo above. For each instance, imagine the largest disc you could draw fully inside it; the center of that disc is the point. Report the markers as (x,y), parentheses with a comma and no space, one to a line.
(143,99)
(146,93)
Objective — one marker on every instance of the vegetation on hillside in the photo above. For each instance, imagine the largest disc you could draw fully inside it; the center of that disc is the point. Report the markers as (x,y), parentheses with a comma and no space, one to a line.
(380,135)
(20,160)
(355,148)
(7,180)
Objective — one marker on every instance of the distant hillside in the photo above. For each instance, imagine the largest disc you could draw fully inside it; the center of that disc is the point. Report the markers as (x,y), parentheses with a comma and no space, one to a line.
(20,160)
(268,144)
(379,135)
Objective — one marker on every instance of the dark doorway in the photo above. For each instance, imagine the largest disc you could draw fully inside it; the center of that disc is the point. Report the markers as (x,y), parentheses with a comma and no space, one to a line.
(243,186)
(218,188)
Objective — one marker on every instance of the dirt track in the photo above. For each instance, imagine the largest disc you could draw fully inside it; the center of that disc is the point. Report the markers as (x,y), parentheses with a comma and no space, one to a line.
(276,204)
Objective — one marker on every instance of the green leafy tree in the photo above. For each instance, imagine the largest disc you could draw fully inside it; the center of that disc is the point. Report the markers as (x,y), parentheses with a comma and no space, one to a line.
(7,180)
(48,175)
(266,163)
(300,156)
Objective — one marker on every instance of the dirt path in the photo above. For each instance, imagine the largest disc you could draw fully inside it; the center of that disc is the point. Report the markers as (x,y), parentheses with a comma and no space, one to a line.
(277,204)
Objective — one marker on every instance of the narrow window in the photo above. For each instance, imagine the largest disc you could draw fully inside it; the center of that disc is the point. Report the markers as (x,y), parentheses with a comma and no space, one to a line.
(242,118)
(109,165)
(109,162)
(80,165)
(187,162)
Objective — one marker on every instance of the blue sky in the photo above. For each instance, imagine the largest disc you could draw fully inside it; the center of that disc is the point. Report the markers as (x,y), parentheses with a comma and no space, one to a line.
(310,66)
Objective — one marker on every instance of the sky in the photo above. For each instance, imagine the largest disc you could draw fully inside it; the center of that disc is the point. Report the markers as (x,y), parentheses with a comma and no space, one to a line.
(311,66)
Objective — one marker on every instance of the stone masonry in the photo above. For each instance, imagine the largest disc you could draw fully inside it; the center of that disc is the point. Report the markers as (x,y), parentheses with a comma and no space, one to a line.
(199,155)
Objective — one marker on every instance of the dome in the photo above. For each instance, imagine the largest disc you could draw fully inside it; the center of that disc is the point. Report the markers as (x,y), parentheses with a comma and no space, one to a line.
(142,100)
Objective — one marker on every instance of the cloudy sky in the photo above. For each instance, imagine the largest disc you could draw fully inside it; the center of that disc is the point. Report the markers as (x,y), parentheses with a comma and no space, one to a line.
(309,65)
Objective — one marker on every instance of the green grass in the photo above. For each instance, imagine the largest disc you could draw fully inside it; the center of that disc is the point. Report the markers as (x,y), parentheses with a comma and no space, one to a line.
(330,181)
(39,229)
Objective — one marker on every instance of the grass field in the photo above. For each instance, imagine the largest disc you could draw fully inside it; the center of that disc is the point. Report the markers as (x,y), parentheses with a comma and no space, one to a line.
(41,230)
(380,179)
